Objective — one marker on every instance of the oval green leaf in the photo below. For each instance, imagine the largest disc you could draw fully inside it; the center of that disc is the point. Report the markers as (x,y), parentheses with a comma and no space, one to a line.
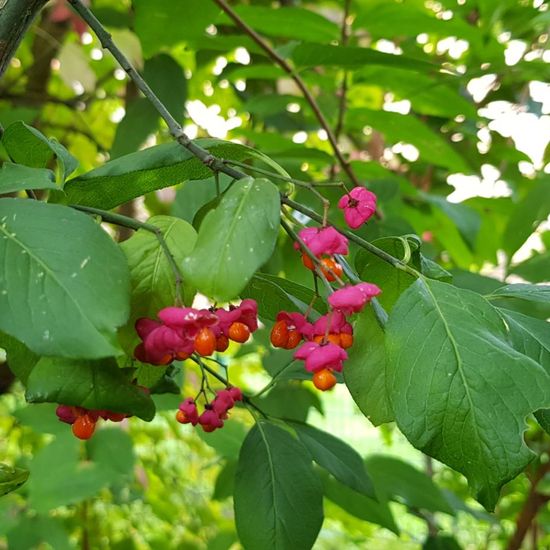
(235,239)
(459,391)
(278,498)
(65,286)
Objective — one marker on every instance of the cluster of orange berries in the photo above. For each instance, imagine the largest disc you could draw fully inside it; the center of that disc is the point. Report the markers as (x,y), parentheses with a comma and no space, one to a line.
(179,332)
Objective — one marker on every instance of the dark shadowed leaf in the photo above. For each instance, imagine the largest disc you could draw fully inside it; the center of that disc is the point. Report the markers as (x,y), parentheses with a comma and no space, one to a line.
(395,478)
(278,497)
(358,505)
(336,457)
(90,384)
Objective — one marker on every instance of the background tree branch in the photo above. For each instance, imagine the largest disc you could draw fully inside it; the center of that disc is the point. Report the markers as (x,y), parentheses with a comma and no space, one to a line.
(308,96)
(15,18)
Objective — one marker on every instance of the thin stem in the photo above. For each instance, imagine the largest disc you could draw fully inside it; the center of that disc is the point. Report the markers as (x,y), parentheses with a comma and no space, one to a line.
(275,57)
(125,221)
(176,130)
(222,365)
(313,300)
(383,255)
(224,381)
(301,183)
(273,381)
(344,39)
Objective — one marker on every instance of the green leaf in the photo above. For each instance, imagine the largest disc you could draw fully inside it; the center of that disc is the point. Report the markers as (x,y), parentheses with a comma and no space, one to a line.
(278,498)
(535,269)
(529,293)
(74,65)
(404,20)
(65,288)
(169,380)
(466,219)
(392,281)
(96,385)
(283,22)
(16,177)
(152,278)
(365,372)
(275,294)
(226,442)
(529,212)
(136,174)
(358,505)
(313,55)
(441,542)
(451,239)
(41,418)
(290,401)
(235,239)
(35,531)
(474,281)
(225,482)
(428,95)
(112,449)
(58,478)
(20,358)
(543,418)
(336,457)
(433,148)
(529,336)
(395,478)
(459,391)
(11,478)
(192,195)
(167,79)
(163,27)
(532,338)
(433,270)
(140,121)
(26,145)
